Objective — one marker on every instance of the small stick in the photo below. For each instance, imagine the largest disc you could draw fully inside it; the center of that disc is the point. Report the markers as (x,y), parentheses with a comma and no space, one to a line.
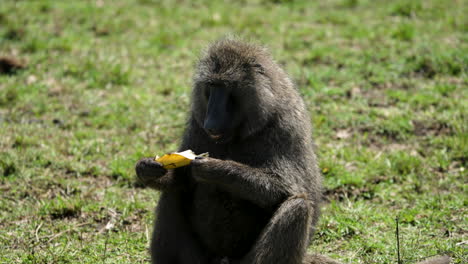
(52,237)
(37,231)
(398,240)
(105,246)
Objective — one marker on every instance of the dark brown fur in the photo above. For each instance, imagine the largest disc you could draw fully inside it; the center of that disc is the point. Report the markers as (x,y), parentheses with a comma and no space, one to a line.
(256,199)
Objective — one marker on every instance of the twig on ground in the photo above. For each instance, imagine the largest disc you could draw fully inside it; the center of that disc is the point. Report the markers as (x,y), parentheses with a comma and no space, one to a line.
(52,237)
(105,246)
(37,231)
(398,240)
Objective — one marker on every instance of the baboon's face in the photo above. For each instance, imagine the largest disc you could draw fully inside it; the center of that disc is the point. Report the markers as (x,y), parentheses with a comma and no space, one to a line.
(233,96)
(223,111)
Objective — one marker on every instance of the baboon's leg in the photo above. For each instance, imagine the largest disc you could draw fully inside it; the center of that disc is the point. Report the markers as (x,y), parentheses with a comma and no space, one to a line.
(173,242)
(285,239)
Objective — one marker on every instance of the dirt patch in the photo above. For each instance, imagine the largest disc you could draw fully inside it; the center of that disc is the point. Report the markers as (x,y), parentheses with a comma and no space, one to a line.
(426,128)
(376,138)
(425,69)
(15,34)
(318,59)
(461,160)
(350,192)
(100,31)
(375,98)
(343,134)
(10,65)
(133,222)
(65,213)
(375,135)
(8,167)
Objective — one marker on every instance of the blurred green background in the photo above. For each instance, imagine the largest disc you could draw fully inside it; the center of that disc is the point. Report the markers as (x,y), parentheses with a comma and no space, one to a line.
(89,87)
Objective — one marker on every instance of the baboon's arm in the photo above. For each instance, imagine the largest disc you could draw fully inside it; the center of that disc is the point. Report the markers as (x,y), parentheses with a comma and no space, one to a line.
(256,185)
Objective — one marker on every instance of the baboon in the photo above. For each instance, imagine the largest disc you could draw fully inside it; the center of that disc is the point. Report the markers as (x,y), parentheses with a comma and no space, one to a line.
(256,198)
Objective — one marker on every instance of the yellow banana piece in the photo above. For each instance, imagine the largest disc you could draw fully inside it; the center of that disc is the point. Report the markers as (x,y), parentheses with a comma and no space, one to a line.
(178,159)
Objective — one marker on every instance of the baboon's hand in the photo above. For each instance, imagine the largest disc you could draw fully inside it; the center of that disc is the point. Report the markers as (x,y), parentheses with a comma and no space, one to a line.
(203,167)
(148,170)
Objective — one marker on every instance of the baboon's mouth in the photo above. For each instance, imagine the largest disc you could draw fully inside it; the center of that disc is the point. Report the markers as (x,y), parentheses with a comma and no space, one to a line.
(216,136)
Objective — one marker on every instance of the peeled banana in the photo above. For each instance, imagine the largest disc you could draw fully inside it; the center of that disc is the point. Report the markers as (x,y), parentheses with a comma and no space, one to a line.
(178,159)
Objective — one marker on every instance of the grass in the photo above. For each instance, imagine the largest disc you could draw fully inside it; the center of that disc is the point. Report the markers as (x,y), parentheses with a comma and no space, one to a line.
(99,84)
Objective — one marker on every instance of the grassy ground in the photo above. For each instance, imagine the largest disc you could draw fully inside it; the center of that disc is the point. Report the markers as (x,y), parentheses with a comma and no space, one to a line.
(88,87)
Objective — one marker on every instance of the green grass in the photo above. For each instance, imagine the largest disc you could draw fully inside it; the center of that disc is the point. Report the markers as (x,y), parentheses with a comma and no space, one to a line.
(108,82)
